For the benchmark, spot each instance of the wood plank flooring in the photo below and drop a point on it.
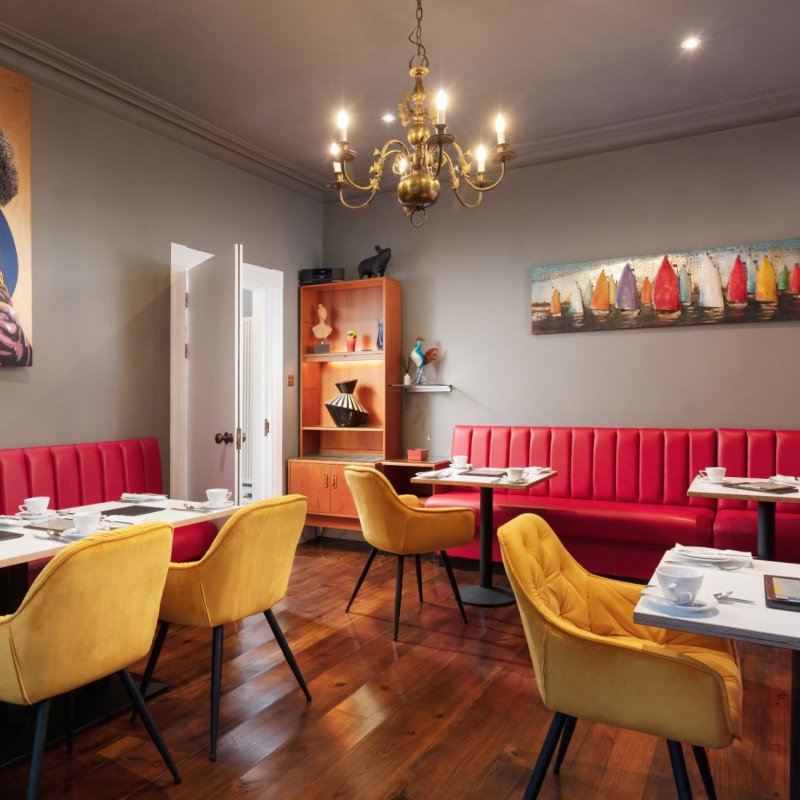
(450, 711)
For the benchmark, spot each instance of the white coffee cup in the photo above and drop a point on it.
(515, 473)
(86, 522)
(713, 474)
(679, 584)
(459, 461)
(218, 497)
(35, 505)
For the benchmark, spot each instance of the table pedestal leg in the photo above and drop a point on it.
(484, 594)
(766, 531)
(794, 732)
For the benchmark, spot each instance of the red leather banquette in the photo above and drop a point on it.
(619, 499)
(79, 474)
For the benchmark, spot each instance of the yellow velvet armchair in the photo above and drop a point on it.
(90, 613)
(245, 571)
(593, 662)
(398, 524)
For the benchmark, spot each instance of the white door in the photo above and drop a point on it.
(209, 402)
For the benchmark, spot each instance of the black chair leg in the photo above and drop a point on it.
(419, 576)
(453, 585)
(545, 756)
(37, 752)
(705, 771)
(155, 652)
(364, 571)
(679, 770)
(149, 723)
(398, 595)
(566, 738)
(69, 720)
(216, 680)
(287, 651)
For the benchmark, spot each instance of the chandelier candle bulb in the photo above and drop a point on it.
(441, 107)
(480, 155)
(341, 122)
(500, 127)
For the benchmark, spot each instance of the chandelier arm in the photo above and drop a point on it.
(372, 186)
(446, 159)
(356, 206)
(386, 150)
(464, 202)
(491, 185)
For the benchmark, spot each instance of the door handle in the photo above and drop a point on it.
(333, 480)
(223, 438)
(325, 480)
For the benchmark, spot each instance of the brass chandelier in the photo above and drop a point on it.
(419, 163)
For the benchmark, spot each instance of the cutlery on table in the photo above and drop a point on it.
(727, 597)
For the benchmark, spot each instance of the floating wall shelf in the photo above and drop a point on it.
(425, 387)
(358, 355)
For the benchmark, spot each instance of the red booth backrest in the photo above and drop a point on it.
(78, 474)
(636, 465)
(759, 454)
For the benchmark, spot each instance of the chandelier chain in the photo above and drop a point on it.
(415, 37)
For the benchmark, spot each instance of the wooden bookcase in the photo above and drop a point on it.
(326, 449)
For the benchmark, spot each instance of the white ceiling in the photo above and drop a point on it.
(572, 76)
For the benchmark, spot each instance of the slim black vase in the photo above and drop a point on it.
(344, 409)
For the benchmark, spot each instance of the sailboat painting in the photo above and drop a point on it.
(756, 282)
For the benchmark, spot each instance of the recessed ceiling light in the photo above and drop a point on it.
(388, 117)
(691, 42)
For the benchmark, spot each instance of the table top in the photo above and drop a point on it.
(746, 623)
(426, 463)
(704, 488)
(487, 482)
(31, 548)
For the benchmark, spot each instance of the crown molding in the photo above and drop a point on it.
(58, 70)
(662, 127)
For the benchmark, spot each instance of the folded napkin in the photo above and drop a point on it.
(786, 480)
(434, 473)
(714, 551)
(133, 497)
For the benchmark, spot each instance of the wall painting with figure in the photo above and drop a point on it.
(757, 282)
(16, 297)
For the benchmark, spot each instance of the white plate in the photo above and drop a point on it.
(208, 506)
(702, 603)
(708, 554)
(27, 515)
(133, 497)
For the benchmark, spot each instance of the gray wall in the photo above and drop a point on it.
(466, 279)
(108, 199)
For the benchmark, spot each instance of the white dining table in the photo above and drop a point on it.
(32, 545)
(745, 623)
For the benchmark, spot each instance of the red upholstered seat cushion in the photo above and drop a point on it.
(190, 542)
(738, 529)
(643, 528)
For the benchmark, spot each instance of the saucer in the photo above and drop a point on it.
(27, 515)
(702, 603)
(72, 535)
(209, 507)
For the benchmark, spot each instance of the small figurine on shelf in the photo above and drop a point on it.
(351, 341)
(379, 340)
(375, 266)
(322, 330)
(420, 358)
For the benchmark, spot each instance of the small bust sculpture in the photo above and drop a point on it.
(322, 330)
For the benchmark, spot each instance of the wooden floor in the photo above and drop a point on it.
(449, 711)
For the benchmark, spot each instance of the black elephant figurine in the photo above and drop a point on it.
(375, 266)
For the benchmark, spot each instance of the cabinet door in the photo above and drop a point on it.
(342, 503)
(313, 479)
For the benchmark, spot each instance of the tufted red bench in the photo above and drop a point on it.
(79, 474)
(619, 499)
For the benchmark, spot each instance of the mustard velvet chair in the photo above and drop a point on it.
(90, 613)
(593, 662)
(245, 571)
(398, 524)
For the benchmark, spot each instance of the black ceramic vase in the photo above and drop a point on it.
(344, 409)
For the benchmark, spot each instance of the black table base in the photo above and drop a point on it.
(484, 594)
